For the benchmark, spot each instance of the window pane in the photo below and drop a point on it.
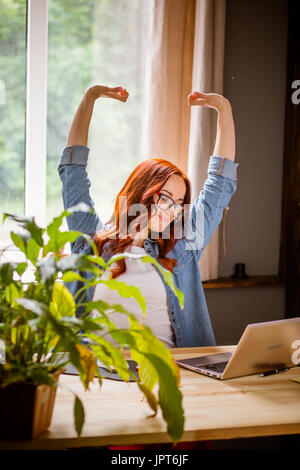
(96, 42)
(12, 110)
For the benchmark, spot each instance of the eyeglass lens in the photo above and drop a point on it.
(165, 202)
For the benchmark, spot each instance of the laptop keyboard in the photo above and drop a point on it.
(219, 367)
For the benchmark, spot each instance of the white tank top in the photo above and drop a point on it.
(145, 277)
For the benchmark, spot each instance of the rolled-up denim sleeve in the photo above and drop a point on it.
(76, 188)
(207, 210)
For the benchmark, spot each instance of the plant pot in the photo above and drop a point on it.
(26, 409)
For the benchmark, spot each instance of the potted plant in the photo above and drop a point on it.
(40, 333)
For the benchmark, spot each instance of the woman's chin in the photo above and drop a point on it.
(158, 227)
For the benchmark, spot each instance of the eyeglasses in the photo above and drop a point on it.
(166, 202)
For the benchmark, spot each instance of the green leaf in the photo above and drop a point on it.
(70, 276)
(53, 227)
(76, 262)
(42, 376)
(66, 334)
(167, 275)
(21, 268)
(72, 321)
(34, 306)
(20, 240)
(126, 291)
(59, 241)
(34, 323)
(147, 371)
(170, 397)
(7, 271)
(11, 293)
(47, 269)
(97, 259)
(57, 238)
(32, 251)
(63, 300)
(109, 355)
(151, 398)
(124, 337)
(29, 224)
(102, 306)
(56, 222)
(97, 322)
(94, 324)
(147, 342)
(79, 415)
(118, 256)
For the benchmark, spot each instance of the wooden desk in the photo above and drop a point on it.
(116, 415)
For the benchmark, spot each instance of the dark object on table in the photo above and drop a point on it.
(239, 271)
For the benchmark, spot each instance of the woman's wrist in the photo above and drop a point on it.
(93, 93)
(224, 106)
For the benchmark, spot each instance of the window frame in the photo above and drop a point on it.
(35, 117)
(36, 109)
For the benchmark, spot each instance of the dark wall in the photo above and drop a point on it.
(254, 82)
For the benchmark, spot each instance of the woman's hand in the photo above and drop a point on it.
(225, 138)
(208, 100)
(100, 91)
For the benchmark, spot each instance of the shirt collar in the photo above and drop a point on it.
(151, 246)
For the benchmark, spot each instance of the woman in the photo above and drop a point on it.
(164, 192)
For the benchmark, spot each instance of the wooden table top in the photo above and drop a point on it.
(116, 413)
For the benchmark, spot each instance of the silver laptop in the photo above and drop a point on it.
(262, 347)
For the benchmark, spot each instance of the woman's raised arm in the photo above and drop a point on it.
(221, 182)
(73, 162)
(78, 133)
(225, 138)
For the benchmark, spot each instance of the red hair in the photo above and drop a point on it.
(140, 187)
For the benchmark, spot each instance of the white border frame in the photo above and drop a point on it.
(36, 110)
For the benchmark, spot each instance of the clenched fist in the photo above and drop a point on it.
(101, 91)
(208, 100)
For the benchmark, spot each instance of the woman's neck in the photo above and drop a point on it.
(140, 237)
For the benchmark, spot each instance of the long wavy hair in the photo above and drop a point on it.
(140, 187)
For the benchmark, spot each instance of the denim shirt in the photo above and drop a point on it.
(192, 325)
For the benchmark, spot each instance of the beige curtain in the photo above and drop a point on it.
(168, 81)
(207, 77)
(185, 54)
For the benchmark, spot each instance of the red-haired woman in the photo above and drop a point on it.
(163, 191)
(170, 230)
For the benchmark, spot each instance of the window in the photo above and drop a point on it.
(12, 109)
(87, 42)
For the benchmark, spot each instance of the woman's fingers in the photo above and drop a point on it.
(118, 93)
(208, 100)
(197, 98)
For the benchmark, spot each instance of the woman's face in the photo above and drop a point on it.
(174, 188)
